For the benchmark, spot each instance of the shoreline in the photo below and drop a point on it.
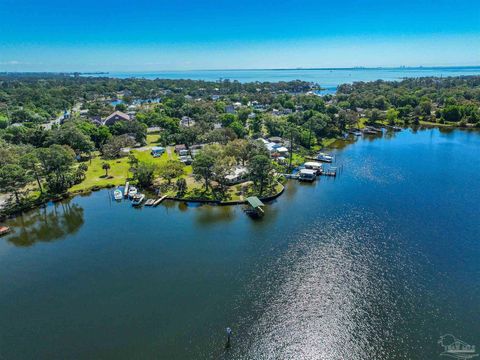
(39, 202)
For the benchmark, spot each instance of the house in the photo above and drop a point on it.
(271, 147)
(157, 151)
(282, 150)
(97, 120)
(275, 139)
(115, 117)
(187, 121)
(180, 147)
(215, 97)
(238, 175)
(230, 109)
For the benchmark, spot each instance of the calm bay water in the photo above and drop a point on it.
(375, 264)
(327, 78)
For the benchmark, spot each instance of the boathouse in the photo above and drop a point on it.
(307, 175)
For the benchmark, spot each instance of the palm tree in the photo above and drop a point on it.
(106, 167)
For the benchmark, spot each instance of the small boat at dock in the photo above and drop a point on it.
(324, 157)
(132, 191)
(149, 202)
(117, 194)
(4, 230)
(137, 199)
(127, 188)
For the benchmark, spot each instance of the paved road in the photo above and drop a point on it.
(59, 119)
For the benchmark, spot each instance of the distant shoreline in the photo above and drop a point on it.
(355, 68)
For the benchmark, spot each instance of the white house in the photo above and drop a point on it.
(238, 175)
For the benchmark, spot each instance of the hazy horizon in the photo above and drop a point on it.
(248, 69)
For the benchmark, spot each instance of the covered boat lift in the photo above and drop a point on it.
(255, 208)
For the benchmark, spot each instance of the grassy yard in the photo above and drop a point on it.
(152, 139)
(95, 176)
(118, 172)
(428, 123)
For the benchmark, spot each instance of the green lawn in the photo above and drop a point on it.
(118, 172)
(428, 123)
(95, 176)
(152, 139)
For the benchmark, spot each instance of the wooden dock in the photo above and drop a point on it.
(159, 200)
(330, 172)
(320, 160)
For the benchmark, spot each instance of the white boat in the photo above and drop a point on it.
(149, 202)
(137, 199)
(325, 157)
(117, 194)
(132, 191)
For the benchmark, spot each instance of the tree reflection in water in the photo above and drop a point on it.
(46, 224)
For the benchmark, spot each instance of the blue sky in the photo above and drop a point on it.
(152, 35)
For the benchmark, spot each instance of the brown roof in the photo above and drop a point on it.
(119, 114)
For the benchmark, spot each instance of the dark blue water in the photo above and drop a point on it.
(375, 264)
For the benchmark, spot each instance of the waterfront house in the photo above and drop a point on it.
(115, 117)
(238, 175)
